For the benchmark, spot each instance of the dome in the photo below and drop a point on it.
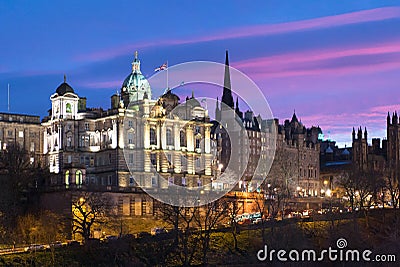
(193, 102)
(345, 152)
(135, 84)
(64, 88)
(329, 150)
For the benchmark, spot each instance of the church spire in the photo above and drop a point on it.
(227, 98)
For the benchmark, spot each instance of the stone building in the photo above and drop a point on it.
(297, 148)
(137, 141)
(22, 130)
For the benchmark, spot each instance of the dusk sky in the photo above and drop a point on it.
(337, 63)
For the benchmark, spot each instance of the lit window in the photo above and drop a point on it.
(78, 177)
(67, 178)
(68, 108)
(20, 134)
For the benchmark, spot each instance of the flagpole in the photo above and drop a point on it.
(8, 97)
(167, 76)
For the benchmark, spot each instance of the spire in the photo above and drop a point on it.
(237, 110)
(136, 63)
(227, 98)
(217, 112)
(65, 78)
(388, 118)
(192, 94)
(365, 133)
(354, 134)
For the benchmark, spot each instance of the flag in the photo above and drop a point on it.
(162, 67)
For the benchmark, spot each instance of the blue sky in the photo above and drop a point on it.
(336, 62)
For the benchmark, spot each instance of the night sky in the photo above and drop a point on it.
(337, 63)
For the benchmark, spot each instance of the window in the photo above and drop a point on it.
(183, 181)
(86, 126)
(68, 108)
(144, 204)
(20, 134)
(131, 181)
(170, 180)
(66, 178)
(153, 140)
(197, 143)
(130, 138)
(32, 148)
(69, 158)
(109, 180)
(198, 182)
(87, 161)
(69, 141)
(154, 181)
(182, 138)
(10, 133)
(130, 124)
(153, 159)
(109, 158)
(78, 177)
(170, 140)
(198, 163)
(130, 158)
(197, 130)
(169, 158)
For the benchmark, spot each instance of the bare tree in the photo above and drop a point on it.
(182, 220)
(87, 209)
(19, 177)
(393, 187)
(207, 219)
(233, 209)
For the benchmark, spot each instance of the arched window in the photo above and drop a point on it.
(170, 140)
(78, 177)
(67, 178)
(153, 138)
(68, 108)
(182, 138)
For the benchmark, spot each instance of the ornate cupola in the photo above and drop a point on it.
(135, 87)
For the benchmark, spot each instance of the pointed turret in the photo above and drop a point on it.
(237, 110)
(365, 134)
(227, 98)
(354, 134)
(217, 111)
(388, 118)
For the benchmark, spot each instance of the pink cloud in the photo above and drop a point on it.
(105, 84)
(363, 16)
(293, 64)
